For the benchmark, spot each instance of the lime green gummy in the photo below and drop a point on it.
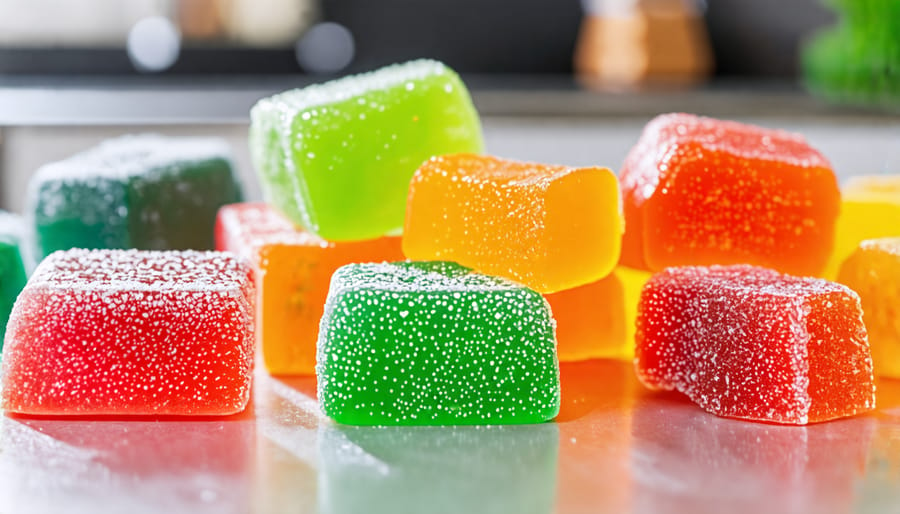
(435, 344)
(337, 157)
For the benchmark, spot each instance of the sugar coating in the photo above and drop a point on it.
(134, 191)
(704, 191)
(873, 271)
(748, 342)
(131, 332)
(337, 157)
(432, 343)
(543, 236)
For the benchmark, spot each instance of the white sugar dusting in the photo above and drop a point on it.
(433, 343)
(752, 343)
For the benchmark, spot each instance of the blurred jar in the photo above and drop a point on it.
(628, 43)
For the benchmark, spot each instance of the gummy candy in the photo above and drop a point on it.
(293, 269)
(748, 342)
(873, 271)
(590, 319)
(147, 192)
(548, 227)
(432, 343)
(337, 157)
(112, 332)
(700, 191)
(870, 209)
(597, 320)
(12, 269)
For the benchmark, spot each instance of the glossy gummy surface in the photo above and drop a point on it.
(432, 343)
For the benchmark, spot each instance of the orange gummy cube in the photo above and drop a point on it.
(699, 191)
(597, 320)
(293, 270)
(547, 227)
(870, 209)
(873, 271)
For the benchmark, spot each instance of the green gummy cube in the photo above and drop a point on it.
(12, 270)
(433, 343)
(337, 157)
(146, 192)
(502, 469)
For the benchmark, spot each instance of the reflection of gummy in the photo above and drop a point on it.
(684, 460)
(483, 469)
(127, 466)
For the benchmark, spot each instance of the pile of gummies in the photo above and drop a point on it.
(425, 282)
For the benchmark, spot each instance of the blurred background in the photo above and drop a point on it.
(100, 37)
(563, 81)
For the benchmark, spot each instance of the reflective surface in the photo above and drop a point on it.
(615, 448)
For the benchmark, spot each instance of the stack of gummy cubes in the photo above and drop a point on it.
(448, 337)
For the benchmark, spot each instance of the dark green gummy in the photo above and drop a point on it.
(435, 344)
(143, 192)
(12, 270)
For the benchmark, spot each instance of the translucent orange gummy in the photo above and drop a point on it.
(293, 270)
(873, 271)
(597, 320)
(870, 209)
(699, 191)
(548, 227)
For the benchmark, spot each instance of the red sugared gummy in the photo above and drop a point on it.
(749, 342)
(116, 332)
(700, 191)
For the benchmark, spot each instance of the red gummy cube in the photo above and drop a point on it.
(700, 191)
(749, 342)
(113, 332)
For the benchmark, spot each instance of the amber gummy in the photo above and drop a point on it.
(870, 209)
(700, 191)
(548, 227)
(292, 269)
(873, 271)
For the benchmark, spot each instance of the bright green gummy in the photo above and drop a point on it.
(12, 270)
(145, 192)
(434, 343)
(469, 469)
(337, 158)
